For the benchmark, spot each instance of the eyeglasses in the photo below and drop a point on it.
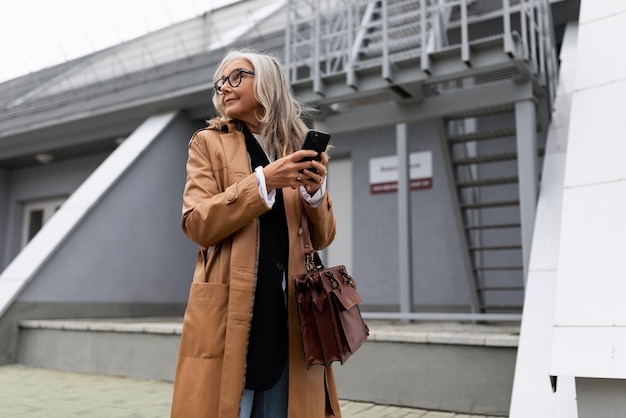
(234, 79)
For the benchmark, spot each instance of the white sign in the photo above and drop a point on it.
(384, 172)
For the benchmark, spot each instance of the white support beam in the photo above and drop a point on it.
(532, 394)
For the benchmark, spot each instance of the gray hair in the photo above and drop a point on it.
(281, 119)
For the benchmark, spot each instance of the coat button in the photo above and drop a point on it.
(280, 266)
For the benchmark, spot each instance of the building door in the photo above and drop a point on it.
(340, 189)
(36, 214)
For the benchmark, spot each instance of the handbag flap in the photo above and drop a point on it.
(347, 297)
(338, 282)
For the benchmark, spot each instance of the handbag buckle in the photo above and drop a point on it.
(347, 279)
(334, 283)
(309, 263)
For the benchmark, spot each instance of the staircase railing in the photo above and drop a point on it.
(326, 38)
(329, 38)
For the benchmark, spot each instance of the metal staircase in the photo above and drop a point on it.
(468, 63)
(485, 170)
(393, 30)
(327, 38)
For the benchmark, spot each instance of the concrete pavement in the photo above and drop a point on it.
(42, 393)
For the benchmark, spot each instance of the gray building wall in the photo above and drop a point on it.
(439, 283)
(461, 378)
(128, 257)
(130, 249)
(55, 180)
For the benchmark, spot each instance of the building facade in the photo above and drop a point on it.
(440, 114)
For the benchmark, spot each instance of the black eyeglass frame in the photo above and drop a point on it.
(220, 82)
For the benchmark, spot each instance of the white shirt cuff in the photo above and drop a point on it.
(316, 199)
(268, 198)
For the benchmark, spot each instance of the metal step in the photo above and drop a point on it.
(488, 182)
(498, 268)
(500, 288)
(485, 205)
(493, 226)
(491, 158)
(402, 34)
(496, 248)
(483, 135)
(489, 299)
(485, 159)
(484, 111)
(502, 308)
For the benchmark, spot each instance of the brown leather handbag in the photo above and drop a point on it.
(331, 325)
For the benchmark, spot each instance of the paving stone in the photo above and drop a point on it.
(42, 393)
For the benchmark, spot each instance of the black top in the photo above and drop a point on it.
(268, 341)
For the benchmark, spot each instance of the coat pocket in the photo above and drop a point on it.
(204, 324)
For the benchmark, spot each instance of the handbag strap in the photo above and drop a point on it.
(312, 260)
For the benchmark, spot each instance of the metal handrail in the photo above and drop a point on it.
(360, 20)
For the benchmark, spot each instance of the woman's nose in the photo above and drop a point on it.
(226, 87)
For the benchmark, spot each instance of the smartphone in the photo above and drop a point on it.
(317, 141)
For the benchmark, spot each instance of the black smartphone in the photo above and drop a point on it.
(317, 141)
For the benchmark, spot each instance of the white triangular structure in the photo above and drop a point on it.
(532, 393)
(590, 314)
(31, 259)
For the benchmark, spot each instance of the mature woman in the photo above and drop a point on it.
(241, 351)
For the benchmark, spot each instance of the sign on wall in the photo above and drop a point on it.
(384, 172)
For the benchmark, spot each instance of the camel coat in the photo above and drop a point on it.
(221, 206)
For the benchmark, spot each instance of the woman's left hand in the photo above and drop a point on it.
(313, 177)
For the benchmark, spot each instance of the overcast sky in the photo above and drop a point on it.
(35, 34)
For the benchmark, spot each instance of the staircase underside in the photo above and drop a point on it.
(410, 86)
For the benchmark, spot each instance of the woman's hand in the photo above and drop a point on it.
(313, 177)
(290, 172)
